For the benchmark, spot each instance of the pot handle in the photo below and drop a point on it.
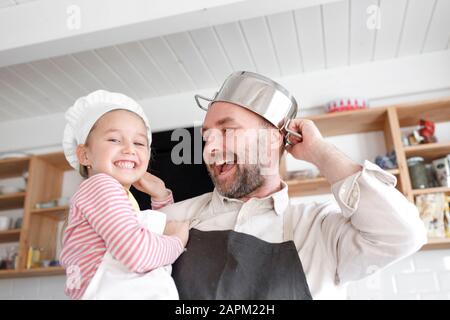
(289, 132)
(198, 97)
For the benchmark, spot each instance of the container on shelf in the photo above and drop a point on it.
(417, 172)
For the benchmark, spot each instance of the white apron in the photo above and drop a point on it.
(113, 281)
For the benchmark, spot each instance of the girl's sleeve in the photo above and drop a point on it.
(106, 207)
(156, 205)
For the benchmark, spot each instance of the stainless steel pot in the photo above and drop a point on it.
(260, 95)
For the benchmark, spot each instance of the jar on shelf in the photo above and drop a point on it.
(417, 172)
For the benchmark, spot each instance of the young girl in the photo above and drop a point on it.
(111, 250)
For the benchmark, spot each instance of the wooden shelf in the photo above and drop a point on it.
(12, 201)
(437, 243)
(429, 151)
(315, 186)
(308, 187)
(56, 159)
(55, 212)
(411, 113)
(395, 172)
(430, 190)
(12, 235)
(50, 271)
(337, 123)
(13, 167)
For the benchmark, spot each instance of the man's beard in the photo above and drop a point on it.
(247, 179)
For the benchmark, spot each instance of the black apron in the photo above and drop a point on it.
(227, 265)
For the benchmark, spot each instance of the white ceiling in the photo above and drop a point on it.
(314, 38)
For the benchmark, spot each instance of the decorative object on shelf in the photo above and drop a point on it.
(423, 134)
(62, 202)
(388, 161)
(5, 223)
(447, 216)
(45, 263)
(9, 260)
(417, 172)
(426, 131)
(442, 169)
(54, 263)
(18, 223)
(431, 176)
(47, 204)
(432, 209)
(345, 104)
(34, 257)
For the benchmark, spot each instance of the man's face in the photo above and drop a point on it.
(237, 149)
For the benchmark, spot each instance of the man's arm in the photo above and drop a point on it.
(374, 225)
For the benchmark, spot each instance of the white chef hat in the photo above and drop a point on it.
(82, 116)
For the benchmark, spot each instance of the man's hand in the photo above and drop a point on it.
(331, 162)
(178, 229)
(153, 186)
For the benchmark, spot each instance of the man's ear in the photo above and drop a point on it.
(277, 139)
(82, 155)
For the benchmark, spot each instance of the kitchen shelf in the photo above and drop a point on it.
(13, 167)
(59, 212)
(437, 243)
(40, 227)
(308, 187)
(430, 190)
(33, 272)
(429, 151)
(315, 186)
(337, 123)
(12, 200)
(12, 235)
(389, 120)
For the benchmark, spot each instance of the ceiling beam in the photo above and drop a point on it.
(47, 28)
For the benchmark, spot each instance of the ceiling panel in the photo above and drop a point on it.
(417, 18)
(439, 30)
(165, 58)
(287, 43)
(40, 81)
(387, 37)
(189, 56)
(310, 34)
(362, 31)
(336, 30)
(232, 40)
(7, 75)
(142, 61)
(212, 52)
(77, 72)
(259, 41)
(103, 73)
(124, 70)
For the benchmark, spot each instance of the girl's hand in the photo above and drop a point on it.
(153, 186)
(178, 229)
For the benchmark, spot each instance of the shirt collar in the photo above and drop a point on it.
(279, 201)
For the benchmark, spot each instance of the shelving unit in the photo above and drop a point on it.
(389, 120)
(39, 226)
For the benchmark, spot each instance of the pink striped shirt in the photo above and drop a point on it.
(102, 219)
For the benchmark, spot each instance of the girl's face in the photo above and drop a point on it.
(117, 146)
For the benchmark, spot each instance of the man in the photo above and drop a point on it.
(248, 242)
